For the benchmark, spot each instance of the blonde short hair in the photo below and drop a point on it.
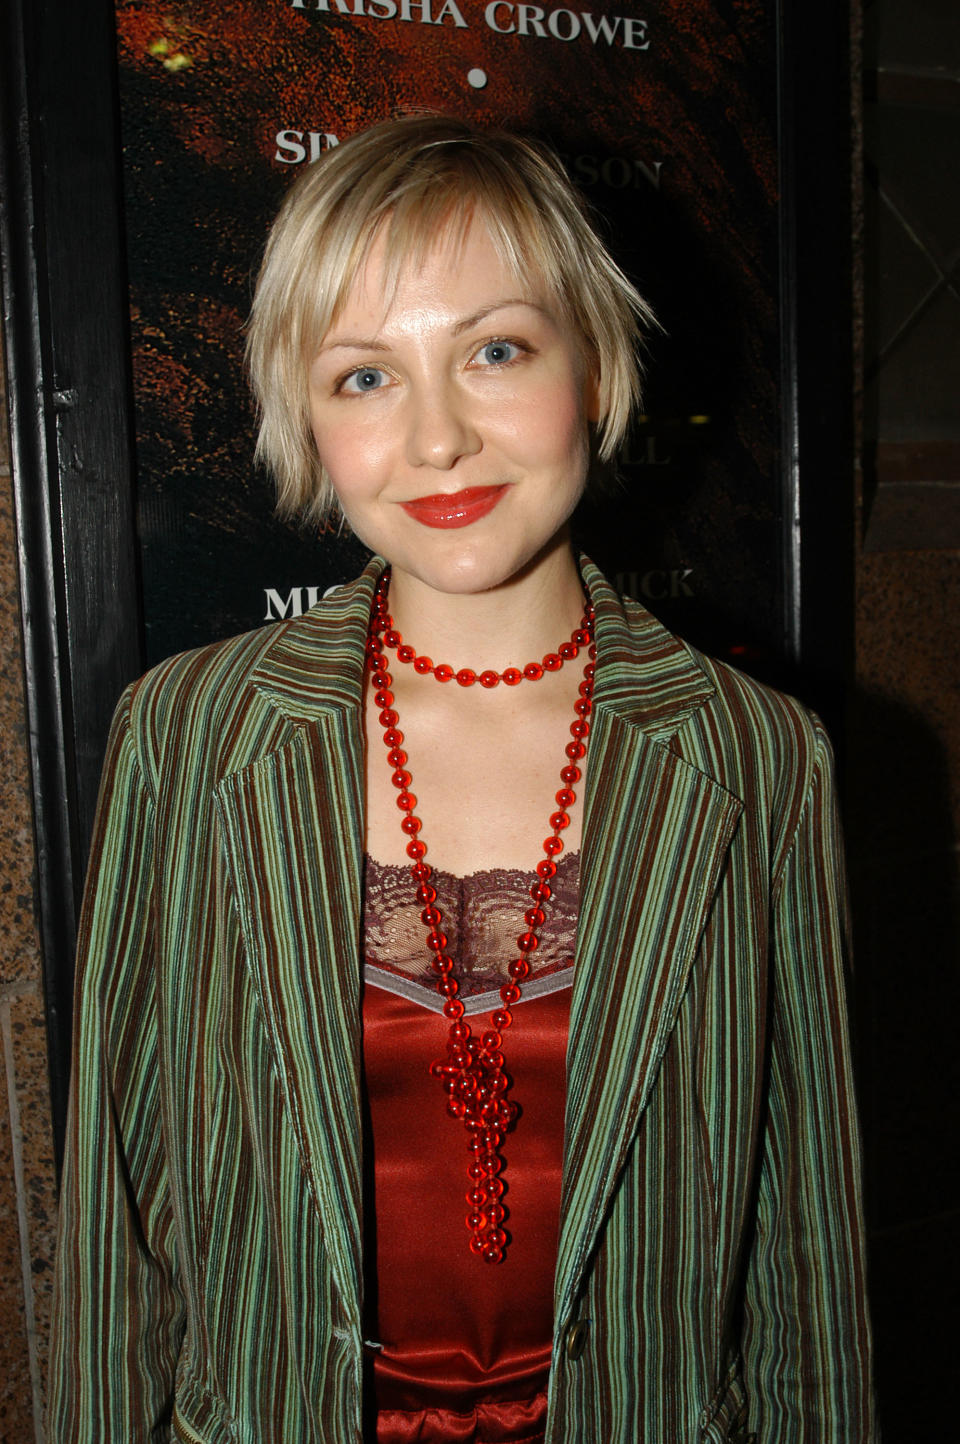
(411, 178)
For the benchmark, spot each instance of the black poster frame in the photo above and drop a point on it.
(71, 410)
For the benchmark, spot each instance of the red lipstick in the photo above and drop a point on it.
(461, 508)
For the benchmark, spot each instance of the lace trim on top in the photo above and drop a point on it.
(482, 918)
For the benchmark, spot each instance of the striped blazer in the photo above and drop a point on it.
(709, 1280)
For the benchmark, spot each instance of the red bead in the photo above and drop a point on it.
(473, 1079)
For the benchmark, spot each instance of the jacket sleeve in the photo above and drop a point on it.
(117, 1312)
(807, 1331)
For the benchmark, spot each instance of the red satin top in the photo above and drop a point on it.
(465, 1345)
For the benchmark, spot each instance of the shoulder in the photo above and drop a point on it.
(191, 700)
(777, 727)
(227, 703)
(763, 746)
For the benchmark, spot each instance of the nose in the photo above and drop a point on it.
(440, 429)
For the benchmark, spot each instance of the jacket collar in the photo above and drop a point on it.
(644, 674)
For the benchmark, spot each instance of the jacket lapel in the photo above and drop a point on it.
(293, 828)
(655, 837)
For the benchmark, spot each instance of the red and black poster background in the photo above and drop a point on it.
(145, 146)
(665, 114)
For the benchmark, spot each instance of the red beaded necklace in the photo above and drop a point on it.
(466, 676)
(473, 1073)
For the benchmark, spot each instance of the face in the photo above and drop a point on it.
(451, 413)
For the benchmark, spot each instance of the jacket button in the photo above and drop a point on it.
(577, 1338)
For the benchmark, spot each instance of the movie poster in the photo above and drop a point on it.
(664, 114)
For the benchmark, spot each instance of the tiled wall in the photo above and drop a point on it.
(904, 743)
(27, 1193)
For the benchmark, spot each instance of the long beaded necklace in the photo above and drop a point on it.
(473, 1073)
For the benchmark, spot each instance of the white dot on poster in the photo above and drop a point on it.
(477, 78)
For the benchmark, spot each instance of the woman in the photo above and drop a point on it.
(571, 1156)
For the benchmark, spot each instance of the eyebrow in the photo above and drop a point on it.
(466, 323)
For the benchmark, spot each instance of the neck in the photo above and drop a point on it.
(509, 625)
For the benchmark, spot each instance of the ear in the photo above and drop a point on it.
(591, 392)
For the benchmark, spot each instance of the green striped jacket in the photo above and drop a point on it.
(709, 1279)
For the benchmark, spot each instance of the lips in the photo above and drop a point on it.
(461, 508)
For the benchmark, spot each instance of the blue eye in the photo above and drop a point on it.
(368, 378)
(498, 353)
